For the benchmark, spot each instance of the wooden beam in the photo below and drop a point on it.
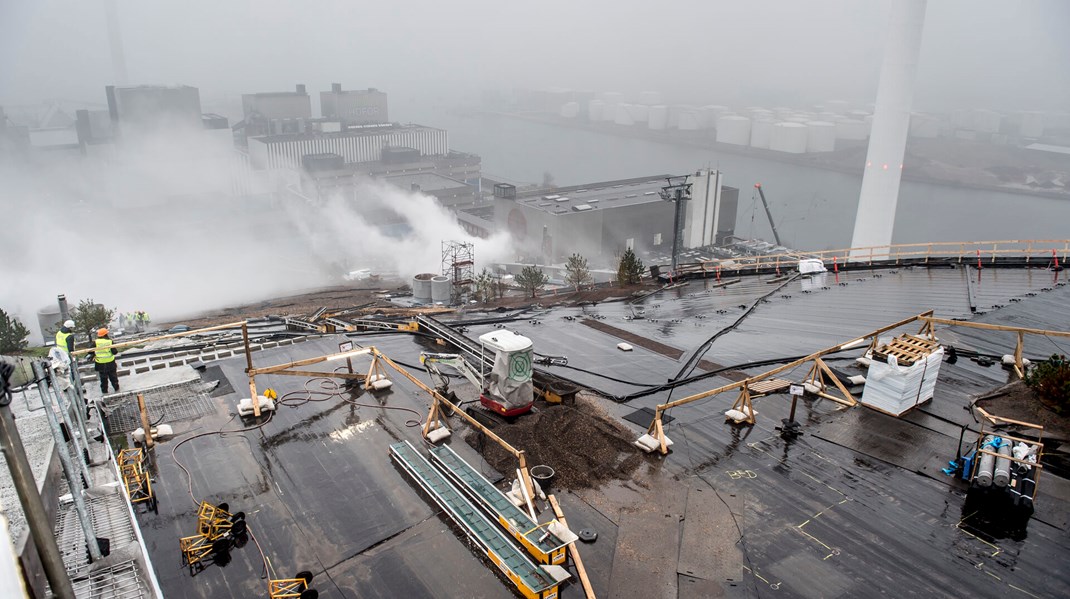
(145, 425)
(231, 325)
(996, 327)
(573, 551)
(836, 381)
(315, 373)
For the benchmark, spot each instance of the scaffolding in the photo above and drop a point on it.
(458, 263)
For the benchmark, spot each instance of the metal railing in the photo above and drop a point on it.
(967, 252)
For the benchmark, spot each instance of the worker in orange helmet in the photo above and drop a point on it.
(104, 357)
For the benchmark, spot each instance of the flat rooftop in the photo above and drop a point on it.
(350, 132)
(611, 194)
(857, 506)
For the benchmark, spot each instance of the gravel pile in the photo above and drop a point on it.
(579, 442)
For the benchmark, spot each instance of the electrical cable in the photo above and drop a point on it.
(328, 389)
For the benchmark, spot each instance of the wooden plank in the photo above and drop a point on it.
(573, 551)
(768, 386)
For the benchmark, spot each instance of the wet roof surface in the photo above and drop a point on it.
(855, 507)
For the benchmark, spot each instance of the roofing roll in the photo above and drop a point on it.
(732, 129)
(441, 289)
(421, 287)
(789, 137)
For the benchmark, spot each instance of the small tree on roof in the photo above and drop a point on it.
(90, 316)
(577, 272)
(12, 333)
(532, 280)
(629, 269)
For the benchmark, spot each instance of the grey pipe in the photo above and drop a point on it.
(65, 414)
(33, 508)
(68, 468)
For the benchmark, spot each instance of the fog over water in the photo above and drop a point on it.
(155, 226)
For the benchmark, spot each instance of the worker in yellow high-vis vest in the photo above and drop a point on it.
(104, 357)
(65, 336)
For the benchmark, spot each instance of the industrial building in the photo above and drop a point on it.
(354, 107)
(354, 145)
(600, 220)
(273, 113)
(148, 109)
(453, 178)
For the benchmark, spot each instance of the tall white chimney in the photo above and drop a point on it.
(891, 123)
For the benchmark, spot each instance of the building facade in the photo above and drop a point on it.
(354, 107)
(355, 145)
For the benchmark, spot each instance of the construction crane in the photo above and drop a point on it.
(761, 194)
(507, 389)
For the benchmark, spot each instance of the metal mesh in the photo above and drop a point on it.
(110, 520)
(185, 401)
(120, 581)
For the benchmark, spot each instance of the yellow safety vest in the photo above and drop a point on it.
(101, 355)
(61, 339)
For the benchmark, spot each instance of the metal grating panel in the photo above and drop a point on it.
(110, 520)
(177, 402)
(121, 581)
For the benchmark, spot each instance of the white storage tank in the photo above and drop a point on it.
(688, 119)
(595, 108)
(820, 136)
(714, 112)
(757, 112)
(624, 115)
(609, 112)
(570, 110)
(649, 98)
(421, 287)
(640, 112)
(761, 133)
(852, 129)
(732, 129)
(612, 97)
(441, 288)
(658, 117)
(789, 137)
(49, 321)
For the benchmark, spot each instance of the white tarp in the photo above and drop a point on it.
(896, 389)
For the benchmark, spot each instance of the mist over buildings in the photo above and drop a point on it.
(1001, 55)
(158, 221)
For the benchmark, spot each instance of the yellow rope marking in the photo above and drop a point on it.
(1023, 591)
(959, 526)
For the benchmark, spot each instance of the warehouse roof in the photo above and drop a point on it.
(594, 196)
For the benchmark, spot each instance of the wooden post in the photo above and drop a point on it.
(1019, 366)
(145, 424)
(572, 550)
(254, 396)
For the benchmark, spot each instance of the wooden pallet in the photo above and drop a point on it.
(768, 386)
(907, 349)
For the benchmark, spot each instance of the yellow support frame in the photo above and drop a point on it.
(287, 588)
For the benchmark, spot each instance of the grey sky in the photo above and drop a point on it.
(1007, 55)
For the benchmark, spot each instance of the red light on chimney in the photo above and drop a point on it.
(886, 167)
